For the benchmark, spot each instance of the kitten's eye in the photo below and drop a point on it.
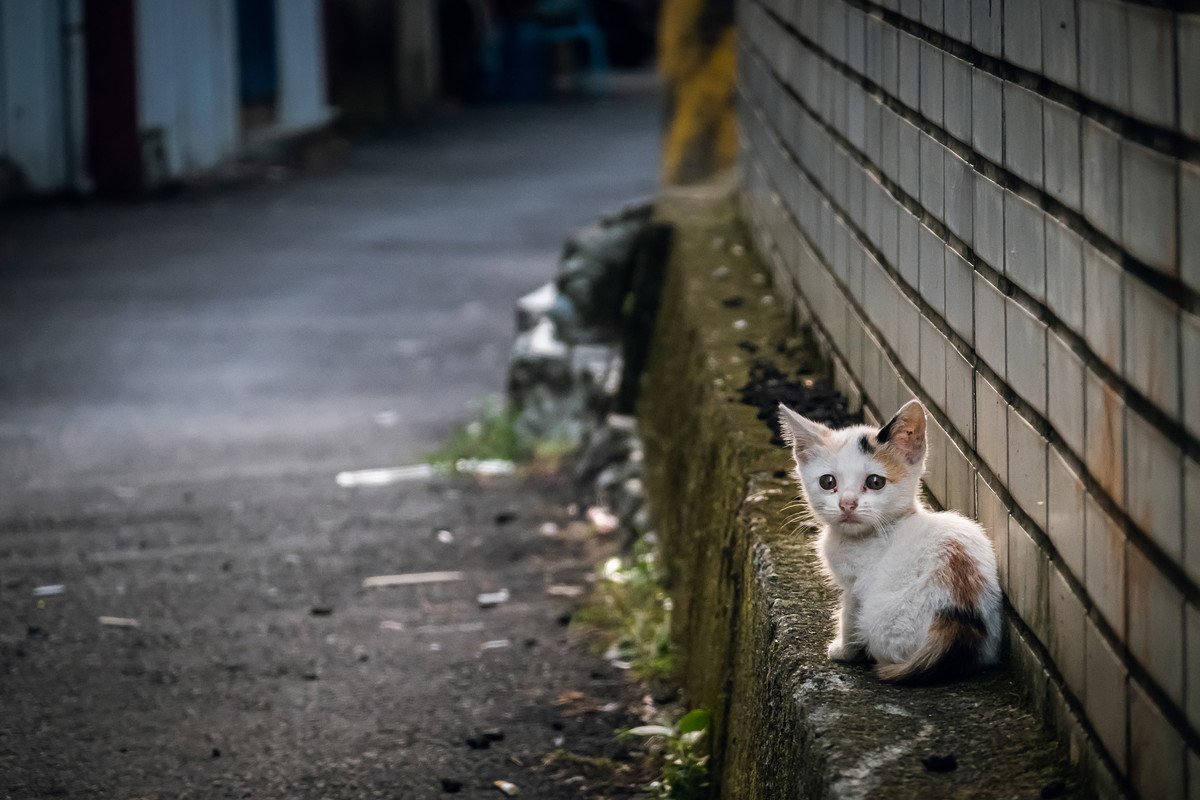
(828, 482)
(875, 482)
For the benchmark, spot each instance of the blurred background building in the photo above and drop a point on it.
(124, 95)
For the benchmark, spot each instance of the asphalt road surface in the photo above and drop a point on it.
(180, 381)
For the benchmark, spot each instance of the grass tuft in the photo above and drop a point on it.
(630, 611)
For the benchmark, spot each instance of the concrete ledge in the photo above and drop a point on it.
(752, 612)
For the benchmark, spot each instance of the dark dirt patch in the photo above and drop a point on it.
(796, 380)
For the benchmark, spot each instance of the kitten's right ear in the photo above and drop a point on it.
(800, 432)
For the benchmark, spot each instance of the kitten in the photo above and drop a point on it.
(919, 589)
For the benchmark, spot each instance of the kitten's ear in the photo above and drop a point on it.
(905, 432)
(800, 432)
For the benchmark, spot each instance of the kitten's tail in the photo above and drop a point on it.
(956, 644)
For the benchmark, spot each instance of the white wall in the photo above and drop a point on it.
(300, 53)
(41, 116)
(187, 79)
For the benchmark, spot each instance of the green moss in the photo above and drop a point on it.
(752, 612)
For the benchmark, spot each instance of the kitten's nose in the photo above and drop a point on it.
(848, 502)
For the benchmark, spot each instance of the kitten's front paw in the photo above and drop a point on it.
(840, 650)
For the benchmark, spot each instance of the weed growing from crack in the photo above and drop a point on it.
(629, 614)
(684, 762)
(495, 436)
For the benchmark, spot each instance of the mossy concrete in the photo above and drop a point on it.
(752, 611)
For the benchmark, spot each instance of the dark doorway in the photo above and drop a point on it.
(257, 63)
(114, 158)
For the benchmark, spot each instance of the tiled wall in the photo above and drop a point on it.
(994, 206)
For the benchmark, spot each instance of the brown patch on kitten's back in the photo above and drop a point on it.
(959, 574)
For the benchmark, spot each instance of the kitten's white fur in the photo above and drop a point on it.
(919, 592)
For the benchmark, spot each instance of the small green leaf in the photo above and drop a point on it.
(695, 720)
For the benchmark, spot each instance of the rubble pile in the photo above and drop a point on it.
(572, 376)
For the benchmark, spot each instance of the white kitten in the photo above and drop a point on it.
(919, 589)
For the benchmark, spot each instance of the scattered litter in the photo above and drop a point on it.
(386, 419)
(560, 740)
(457, 627)
(603, 520)
(614, 570)
(120, 622)
(564, 590)
(575, 703)
(506, 788)
(491, 599)
(383, 476)
(738, 250)
(408, 347)
(720, 272)
(391, 625)
(485, 466)
(548, 529)
(767, 300)
(451, 786)
(740, 324)
(321, 611)
(505, 517)
(651, 730)
(293, 559)
(411, 578)
(49, 590)
(495, 644)
(718, 242)
(445, 537)
(361, 654)
(125, 492)
(573, 509)
(434, 647)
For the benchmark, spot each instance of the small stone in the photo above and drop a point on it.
(740, 325)
(451, 786)
(321, 611)
(505, 517)
(479, 742)
(216, 752)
